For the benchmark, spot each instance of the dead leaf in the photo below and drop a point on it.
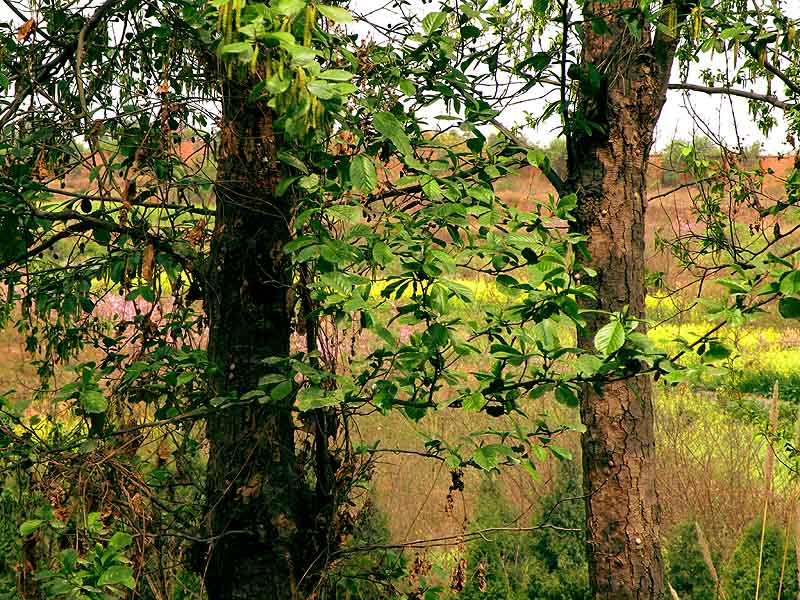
(27, 28)
(197, 233)
(251, 488)
(123, 213)
(458, 578)
(162, 89)
(148, 261)
(480, 574)
(164, 452)
(41, 172)
(285, 526)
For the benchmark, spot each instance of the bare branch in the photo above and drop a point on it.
(768, 98)
(451, 540)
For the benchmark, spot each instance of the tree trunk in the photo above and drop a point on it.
(254, 489)
(622, 90)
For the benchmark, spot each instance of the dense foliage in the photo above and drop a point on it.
(539, 563)
(777, 571)
(229, 230)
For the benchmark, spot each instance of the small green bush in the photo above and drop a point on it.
(544, 564)
(739, 580)
(561, 571)
(371, 575)
(687, 570)
(10, 544)
(498, 564)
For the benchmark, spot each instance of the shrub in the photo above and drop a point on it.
(739, 579)
(687, 570)
(545, 564)
(561, 570)
(10, 544)
(371, 575)
(677, 156)
(497, 564)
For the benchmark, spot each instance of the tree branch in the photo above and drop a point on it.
(87, 223)
(768, 98)
(788, 82)
(44, 71)
(115, 199)
(451, 540)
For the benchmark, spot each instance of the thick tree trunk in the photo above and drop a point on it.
(618, 444)
(254, 489)
(623, 88)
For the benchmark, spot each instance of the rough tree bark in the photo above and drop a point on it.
(624, 96)
(255, 493)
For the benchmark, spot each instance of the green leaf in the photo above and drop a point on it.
(309, 183)
(272, 378)
(120, 540)
(474, 402)
(407, 87)
(566, 204)
(288, 8)
(335, 13)
(716, 351)
(277, 85)
(345, 212)
(117, 575)
(363, 174)
(733, 286)
(536, 157)
(343, 88)
(291, 160)
(566, 395)
(310, 398)
(547, 333)
(236, 48)
(789, 308)
(279, 38)
(559, 452)
(321, 89)
(485, 458)
(587, 364)
(93, 401)
(28, 527)
(251, 395)
(489, 456)
(69, 558)
(282, 390)
(389, 127)
(540, 61)
(610, 337)
(433, 21)
(432, 189)
(336, 75)
(502, 351)
(382, 254)
(790, 284)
